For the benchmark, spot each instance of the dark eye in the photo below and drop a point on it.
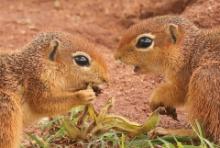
(81, 60)
(144, 42)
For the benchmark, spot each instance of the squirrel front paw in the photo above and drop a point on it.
(164, 110)
(86, 96)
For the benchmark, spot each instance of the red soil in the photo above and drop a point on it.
(103, 22)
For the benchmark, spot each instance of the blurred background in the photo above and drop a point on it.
(103, 22)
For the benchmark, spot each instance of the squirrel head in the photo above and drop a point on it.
(154, 44)
(71, 62)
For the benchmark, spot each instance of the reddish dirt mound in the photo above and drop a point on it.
(103, 22)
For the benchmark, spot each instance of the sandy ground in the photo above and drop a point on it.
(103, 22)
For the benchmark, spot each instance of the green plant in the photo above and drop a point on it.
(84, 127)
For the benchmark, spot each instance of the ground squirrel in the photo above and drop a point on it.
(188, 57)
(47, 77)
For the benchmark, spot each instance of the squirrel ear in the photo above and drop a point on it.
(174, 32)
(54, 44)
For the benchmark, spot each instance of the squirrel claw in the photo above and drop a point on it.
(169, 111)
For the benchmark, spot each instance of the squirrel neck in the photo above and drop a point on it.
(19, 66)
(189, 48)
(205, 44)
(195, 45)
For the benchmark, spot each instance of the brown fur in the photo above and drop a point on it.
(33, 86)
(191, 66)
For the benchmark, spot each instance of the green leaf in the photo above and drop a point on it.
(72, 131)
(40, 142)
(122, 144)
(166, 144)
(151, 122)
